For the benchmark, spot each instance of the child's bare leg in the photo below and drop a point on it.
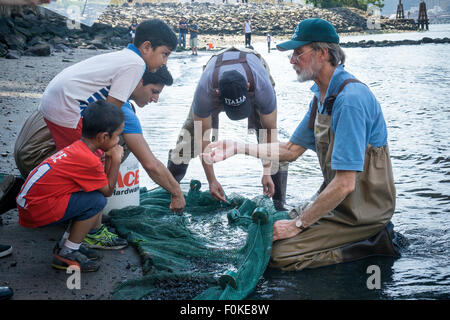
(81, 228)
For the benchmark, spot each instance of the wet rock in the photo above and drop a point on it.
(15, 41)
(388, 43)
(12, 55)
(91, 47)
(99, 44)
(3, 49)
(35, 40)
(41, 50)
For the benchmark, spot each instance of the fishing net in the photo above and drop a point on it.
(214, 250)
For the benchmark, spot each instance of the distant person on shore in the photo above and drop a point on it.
(71, 186)
(112, 77)
(268, 42)
(239, 83)
(248, 32)
(132, 29)
(344, 125)
(193, 39)
(182, 31)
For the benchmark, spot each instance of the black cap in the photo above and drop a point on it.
(233, 90)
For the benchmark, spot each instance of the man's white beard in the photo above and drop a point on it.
(305, 74)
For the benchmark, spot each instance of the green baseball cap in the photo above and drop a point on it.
(310, 30)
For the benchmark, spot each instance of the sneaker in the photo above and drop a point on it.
(9, 189)
(75, 258)
(5, 250)
(103, 239)
(6, 293)
(89, 253)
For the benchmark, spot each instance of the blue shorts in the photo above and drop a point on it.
(82, 206)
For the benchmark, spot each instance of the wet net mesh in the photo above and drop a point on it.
(214, 250)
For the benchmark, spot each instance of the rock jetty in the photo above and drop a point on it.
(37, 31)
(390, 43)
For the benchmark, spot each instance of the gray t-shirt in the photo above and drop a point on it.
(265, 98)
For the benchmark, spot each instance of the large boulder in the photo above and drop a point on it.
(41, 50)
(15, 41)
(99, 44)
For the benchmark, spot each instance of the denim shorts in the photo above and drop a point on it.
(82, 206)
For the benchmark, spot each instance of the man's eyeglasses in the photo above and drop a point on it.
(296, 56)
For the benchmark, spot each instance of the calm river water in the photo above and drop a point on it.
(412, 84)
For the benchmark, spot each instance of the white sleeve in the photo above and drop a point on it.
(125, 81)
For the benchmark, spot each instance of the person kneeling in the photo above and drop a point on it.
(71, 186)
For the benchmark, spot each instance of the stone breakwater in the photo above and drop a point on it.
(390, 43)
(228, 19)
(30, 31)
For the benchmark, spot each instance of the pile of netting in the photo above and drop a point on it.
(214, 250)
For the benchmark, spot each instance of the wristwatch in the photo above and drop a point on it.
(299, 224)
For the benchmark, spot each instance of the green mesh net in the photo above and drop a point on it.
(214, 250)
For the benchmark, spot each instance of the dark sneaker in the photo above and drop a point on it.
(103, 239)
(9, 189)
(5, 250)
(75, 258)
(89, 253)
(6, 293)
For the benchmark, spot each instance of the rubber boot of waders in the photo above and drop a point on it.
(279, 197)
(177, 170)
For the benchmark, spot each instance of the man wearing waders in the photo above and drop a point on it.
(239, 83)
(350, 218)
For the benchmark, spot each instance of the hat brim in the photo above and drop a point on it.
(291, 44)
(238, 113)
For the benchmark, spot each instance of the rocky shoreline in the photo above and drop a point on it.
(39, 32)
(389, 43)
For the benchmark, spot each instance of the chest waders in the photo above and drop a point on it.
(179, 157)
(360, 225)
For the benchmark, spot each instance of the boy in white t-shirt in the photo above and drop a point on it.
(111, 77)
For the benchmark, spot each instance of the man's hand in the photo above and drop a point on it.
(178, 203)
(219, 151)
(115, 153)
(216, 191)
(268, 185)
(284, 229)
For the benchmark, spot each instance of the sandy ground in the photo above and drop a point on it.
(28, 270)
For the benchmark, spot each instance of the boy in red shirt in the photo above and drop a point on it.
(72, 184)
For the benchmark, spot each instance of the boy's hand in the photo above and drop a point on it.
(116, 152)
